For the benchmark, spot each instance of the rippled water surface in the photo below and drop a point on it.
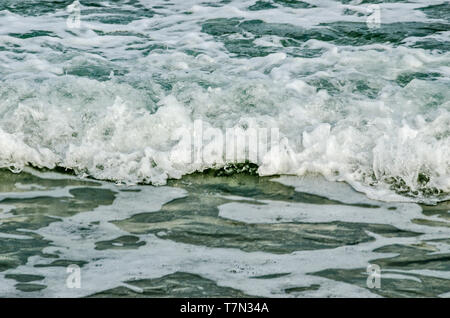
(208, 235)
(95, 122)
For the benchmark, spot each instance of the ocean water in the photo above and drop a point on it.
(128, 148)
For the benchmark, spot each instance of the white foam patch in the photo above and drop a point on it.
(21, 186)
(279, 212)
(55, 193)
(14, 236)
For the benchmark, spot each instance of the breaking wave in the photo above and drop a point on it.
(117, 98)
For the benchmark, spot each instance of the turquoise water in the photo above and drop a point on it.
(127, 148)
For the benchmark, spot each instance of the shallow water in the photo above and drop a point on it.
(351, 117)
(207, 235)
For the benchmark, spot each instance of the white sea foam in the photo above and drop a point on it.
(342, 114)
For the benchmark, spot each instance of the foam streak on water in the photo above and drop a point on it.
(369, 106)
